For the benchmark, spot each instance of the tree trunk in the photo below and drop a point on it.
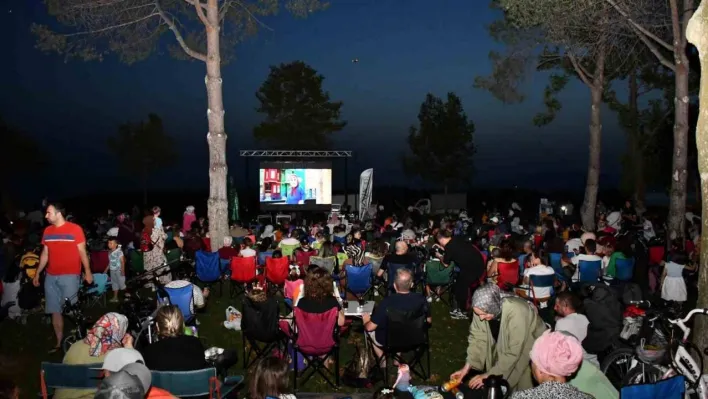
(217, 210)
(697, 33)
(677, 204)
(635, 151)
(587, 211)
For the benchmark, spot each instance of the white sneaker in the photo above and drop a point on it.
(429, 299)
(376, 292)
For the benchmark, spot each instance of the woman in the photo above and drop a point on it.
(501, 337)
(153, 245)
(319, 294)
(501, 270)
(269, 379)
(174, 351)
(108, 333)
(555, 356)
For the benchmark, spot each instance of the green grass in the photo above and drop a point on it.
(24, 347)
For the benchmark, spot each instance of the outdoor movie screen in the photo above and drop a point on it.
(288, 185)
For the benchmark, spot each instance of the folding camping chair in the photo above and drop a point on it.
(624, 269)
(183, 298)
(208, 268)
(359, 280)
(315, 336)
(262, 257)
(260, 330)
(670, 388)
(243, 272)
(97, 294)
(68, 376)
(276, 272)
(589, 271)
(440, 279)
(327, 263)
(195, 383)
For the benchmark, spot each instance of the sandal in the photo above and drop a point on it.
(54, 350)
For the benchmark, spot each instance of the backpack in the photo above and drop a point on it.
(146, 244)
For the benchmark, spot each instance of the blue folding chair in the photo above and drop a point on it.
(544, 281)
(183, 298)
(670, 388)
(570, 255)
(359, 280)
(624, 269)
(262, 257)
(208, 268)
(68, 376)
(338, 239)
(522, 261)
(225, 266)
(97, 293)
(555, 260)
(197, 383)
(589, 271)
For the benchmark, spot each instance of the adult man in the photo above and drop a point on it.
(468, 258)
(63, 254)
(403, 300)
(570, 321)
(401, 256)
(589, 256)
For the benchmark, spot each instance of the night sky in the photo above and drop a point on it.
(405, 48)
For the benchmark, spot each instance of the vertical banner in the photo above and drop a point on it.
(365, 192)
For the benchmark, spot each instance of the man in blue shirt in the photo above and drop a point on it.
(403, 300)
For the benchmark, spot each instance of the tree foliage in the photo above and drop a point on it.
(143, 147)
(442, 146)
(299, 112)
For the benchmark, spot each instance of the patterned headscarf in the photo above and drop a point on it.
(354, 252)
(488, 297)
(106, 334)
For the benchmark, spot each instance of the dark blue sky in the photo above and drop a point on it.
(406, 48)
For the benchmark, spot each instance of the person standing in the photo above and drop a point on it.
(468, 258)
(63, 255)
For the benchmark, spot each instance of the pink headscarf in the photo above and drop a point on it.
(557, 354)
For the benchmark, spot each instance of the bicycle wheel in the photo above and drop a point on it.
(643, 374)
(617, 364)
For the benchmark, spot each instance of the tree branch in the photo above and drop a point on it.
(261, 23)
(195, 2)
(638, 27)
(200, 13)
(178, 36)
(584, 76)
(154, 14)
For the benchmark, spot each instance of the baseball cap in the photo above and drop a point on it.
(131, 382)
(117, 358)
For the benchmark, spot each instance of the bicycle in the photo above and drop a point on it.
(681, 362)
(72, 311)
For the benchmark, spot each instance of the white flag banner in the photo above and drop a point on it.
(365, 191)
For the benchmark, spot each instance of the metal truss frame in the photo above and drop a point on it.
(295, 154)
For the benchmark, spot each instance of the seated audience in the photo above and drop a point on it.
(117, 359)
(227, 251)
(269, 379)
(174, 351)
(536, 267)
(589, 255)
(401, 256)
(198, 296)
(568, 319)
(246, 250)
(319, 294)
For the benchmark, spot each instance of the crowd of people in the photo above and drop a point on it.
(544, 340)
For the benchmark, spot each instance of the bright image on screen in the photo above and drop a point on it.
(296, 186)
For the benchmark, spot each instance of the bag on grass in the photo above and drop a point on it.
(233, 319)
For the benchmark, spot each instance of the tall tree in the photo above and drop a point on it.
(661, 27)
(577, 41)
(142, 148)
(299, 113)
(203, 30)
(442, 146)
(20, 157)
(697, 34)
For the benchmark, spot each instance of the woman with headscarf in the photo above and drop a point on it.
(153, 245)
(108, 333)
(555, 357)
(501, 336)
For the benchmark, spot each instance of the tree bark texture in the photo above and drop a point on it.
(697, 33)
(217, 210)
(679, 172)
(587, 211)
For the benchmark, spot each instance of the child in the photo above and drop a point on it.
(293, 286)
(116, 265)
(156, 214)
(673, 286)
(269, 379)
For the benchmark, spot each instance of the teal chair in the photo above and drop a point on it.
(197, 383)
(54, 376)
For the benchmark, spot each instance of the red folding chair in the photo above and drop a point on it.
(507, 274)
(276, 272)
(243, 272)
(315, 337)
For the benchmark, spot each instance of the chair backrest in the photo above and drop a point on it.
(291, 288)
(508, 274)
(207, 266)
(186, 384)
(101, 282)
(288, 250)
(183, 298)
(339, 239)
(670, 388)
(260, 320)
(359, 278)
(624, 269)
(315, 331)
(522, 263)
(277, 270)
(406, 329)
(555, 259)
(541, 281)
(243, 270)
(137, 262)
(326, 263)
(206, 242)
(437, 274)
(302, 258)
(69, 376)
(262, 257)
(656, 255)
(570, 255)
(589, 271)
(99, 261)
(173, 255)
(392, 269)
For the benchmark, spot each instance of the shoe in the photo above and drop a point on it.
(458, 315)
(437, 299)
(429, 299)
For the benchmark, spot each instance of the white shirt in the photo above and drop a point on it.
(540, 270)
(197, 296)
(576, 259)
(576, 324)
(247, 252)
(573, 245)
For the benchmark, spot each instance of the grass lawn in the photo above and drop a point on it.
(23, 347)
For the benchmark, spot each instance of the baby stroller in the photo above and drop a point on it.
(19, 295)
